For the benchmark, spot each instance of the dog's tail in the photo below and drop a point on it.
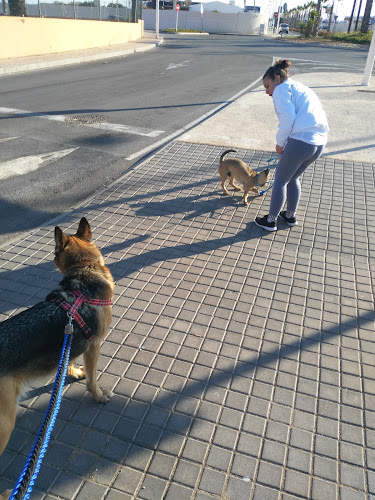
(226, 152)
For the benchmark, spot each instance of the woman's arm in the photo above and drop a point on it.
(286, 113)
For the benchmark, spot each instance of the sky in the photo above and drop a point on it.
(342, 8)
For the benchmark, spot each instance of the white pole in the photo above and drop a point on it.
(176, 19)
(278, 17)
(370, 61)
(157, 19)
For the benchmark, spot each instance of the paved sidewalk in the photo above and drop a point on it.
(32, 63)
(242, 362)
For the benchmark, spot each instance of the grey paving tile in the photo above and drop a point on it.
(233, 356)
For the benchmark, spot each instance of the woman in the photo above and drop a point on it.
(300, 140)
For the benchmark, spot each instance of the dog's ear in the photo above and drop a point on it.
(60, 238)
(84, 230)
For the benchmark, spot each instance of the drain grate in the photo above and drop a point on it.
(85, 119)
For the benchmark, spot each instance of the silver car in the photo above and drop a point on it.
(284, 28)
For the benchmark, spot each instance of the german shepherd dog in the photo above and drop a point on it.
(233, 168)
(31, 342)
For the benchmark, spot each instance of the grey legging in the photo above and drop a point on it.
(294, 160)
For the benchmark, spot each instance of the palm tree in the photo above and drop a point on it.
(366, 17)
(351, 17)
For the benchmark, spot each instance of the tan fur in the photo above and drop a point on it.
(235, 169)
(71, 251)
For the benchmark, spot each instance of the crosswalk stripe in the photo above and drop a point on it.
(112, 127)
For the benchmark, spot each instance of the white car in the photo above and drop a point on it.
(284, 28)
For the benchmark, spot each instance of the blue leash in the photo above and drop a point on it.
(26, 481)
(270, 166)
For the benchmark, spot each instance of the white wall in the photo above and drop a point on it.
(244, 23)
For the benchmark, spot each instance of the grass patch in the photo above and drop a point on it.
(353, 37)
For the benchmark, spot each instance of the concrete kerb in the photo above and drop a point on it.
(8, 67)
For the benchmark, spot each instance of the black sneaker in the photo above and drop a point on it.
(291, 221)
(263, 223)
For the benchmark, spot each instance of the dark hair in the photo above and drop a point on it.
(279, 68)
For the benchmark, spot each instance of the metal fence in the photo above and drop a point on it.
(116, 10)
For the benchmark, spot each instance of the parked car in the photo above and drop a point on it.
(284, 28)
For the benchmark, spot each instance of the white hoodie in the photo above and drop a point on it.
(301, 115)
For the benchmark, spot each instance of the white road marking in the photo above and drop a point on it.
(177, 65)
(26, 164)
(112, 127)
(5, 139)
(307, 61)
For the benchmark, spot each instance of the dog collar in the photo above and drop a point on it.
(72, 309)
(256, 181)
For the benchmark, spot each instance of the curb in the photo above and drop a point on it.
(77, 60)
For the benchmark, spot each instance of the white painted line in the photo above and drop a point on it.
(113, 127)
(126, 129)
(325, 63)
(26, 164)
(5, 139)
(177, 65)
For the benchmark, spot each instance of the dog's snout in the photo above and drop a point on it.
(267, 171)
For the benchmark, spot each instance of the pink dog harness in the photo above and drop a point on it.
(72, 311)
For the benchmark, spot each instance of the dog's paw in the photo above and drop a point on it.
(102, 395)
(76, 372)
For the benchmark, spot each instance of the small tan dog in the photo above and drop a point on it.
(233, 168)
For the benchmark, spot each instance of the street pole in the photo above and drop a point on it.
(157, 19)
(370, 61)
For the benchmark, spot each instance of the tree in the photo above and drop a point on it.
(316, 19)
(366, 17)
(17, 8)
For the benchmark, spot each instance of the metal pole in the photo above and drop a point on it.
(370, 61)
(157, 19)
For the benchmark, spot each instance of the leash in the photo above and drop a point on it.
(26, 481)
(30, 472)
(272, 164)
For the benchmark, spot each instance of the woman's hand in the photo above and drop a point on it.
(279, 149)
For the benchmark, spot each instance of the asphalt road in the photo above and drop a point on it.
(67, 132)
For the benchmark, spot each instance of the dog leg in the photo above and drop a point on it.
(236, 188)
(9, 392)
(74, 371)
(245, 194)
(90, 361)
(223, 181)
(5, 495)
